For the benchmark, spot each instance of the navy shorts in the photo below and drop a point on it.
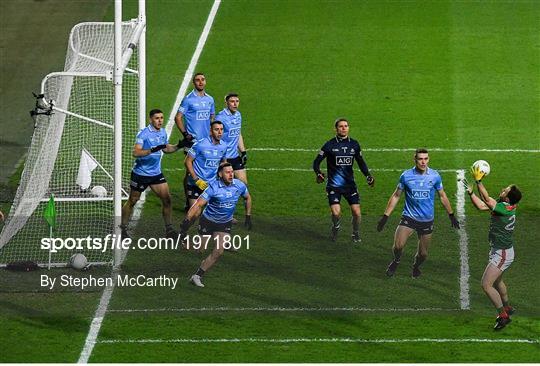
(208, 227)
(422, 228)
(193, 192)
(139, 183)
(334, 195)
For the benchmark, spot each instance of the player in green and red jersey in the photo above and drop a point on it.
(501, 241)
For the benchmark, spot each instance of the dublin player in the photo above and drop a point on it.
(340, 153)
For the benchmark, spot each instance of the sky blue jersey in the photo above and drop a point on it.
(420, 193)
(206, 158)
(222, 200)
(232, 123)
(148, 137)
(197, 111)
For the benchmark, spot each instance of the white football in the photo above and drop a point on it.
(483, 166)
(78, 261)
(99, 191)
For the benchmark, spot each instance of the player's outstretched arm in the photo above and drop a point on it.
(448, 207)
(392, 202)
(484, 196)
(171, 148)
(476, 201)
(138, 151)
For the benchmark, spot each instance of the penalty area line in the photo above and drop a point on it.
(463, 243)
(277, 309)
(95, 326)
(322, 340)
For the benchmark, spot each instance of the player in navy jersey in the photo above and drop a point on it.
(220, 199)
(202, 161)
(232, 136)
(194, 116)
(419, 184)
(150, 144)
(341, 152)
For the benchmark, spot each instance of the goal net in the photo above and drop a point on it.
(72, 150)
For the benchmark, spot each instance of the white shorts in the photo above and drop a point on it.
(501, 258)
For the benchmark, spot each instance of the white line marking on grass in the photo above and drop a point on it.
(392, 149)
(276, 309)
(107, 293)
(191, 68)
(463, 243)
(322, 340)
(96, 322)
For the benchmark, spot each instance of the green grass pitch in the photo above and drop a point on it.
(447, 75)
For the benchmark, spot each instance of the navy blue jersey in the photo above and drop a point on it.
(340, 155)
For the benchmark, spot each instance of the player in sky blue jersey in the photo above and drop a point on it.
(150, 144)
(220, 199)
(419, 184)
(193, 117)
(196, 111)
(202, 161)
(341, 152)
(232, 136)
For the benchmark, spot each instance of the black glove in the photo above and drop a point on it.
(382, 222)
(320, 177)
(187, 136)
(181, 144)
(247, 222)
(454, 221)
(157, 148)
(243, 157)
(370, 180)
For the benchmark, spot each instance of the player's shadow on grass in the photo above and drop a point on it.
(38, 318)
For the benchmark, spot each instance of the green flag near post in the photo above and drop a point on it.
(50, 213)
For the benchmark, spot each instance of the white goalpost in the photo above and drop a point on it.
(86, 118)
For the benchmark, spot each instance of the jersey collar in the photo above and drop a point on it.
(196, 93)
(339, 139)
(152, 128)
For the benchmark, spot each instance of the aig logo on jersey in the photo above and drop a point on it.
(234, 132)
(203, 115)
(344, 160)
(211, 163)
(420, 194)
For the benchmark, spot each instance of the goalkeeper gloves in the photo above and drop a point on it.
(382, 222)
(320, 177)
(247, 222)
(201, 184)
(157, 148)
(370, 181)
(243, 157)
(477, 174)
(454, 221)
